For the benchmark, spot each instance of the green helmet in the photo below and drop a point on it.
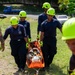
(68, 29)
(51, 11)
(14, 21)
(46, 5)
(22, 14)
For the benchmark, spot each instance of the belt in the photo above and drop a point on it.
(18, 40)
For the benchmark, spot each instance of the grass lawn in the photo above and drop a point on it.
(59, 64)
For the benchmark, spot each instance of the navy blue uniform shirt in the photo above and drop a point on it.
(15, 34)
(26, 25)
(41, 18)
(49, 28)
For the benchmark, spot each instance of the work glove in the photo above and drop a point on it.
(38, 36)
(41, 43)
(29, 39)
(26, 45)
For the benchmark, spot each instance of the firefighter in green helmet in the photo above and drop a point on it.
(48, 37)
(18, 40)
(43, 16)
(25, 23)
(68, 34)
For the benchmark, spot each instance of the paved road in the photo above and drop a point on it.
(31, 15)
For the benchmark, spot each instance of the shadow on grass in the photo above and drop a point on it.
(34, 71)
(54, 70)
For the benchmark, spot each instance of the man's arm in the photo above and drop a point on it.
(26, 39)
(2, 40)
(29, 32)
(39, 25)
(59, 26)
(41, 36)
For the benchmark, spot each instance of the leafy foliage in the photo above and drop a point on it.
(34, 1)
(70, 8)
(67, 6)
(63, 1)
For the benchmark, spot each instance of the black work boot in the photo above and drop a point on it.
(17, 72)
(70, 71)
(22, 71)
(42, 69)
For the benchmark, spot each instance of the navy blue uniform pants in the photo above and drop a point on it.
(19, 51)
(49, 50)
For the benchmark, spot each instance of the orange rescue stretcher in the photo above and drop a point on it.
(35, 58)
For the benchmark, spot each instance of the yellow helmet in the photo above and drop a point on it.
(22, 14)
(68, 29)
(51, 11)
(46, 5)
(14, 20)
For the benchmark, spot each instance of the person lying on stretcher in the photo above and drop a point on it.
(34, 55)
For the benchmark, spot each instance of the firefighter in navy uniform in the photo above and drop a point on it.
(25, 23)
(48, 37)
(43, 16)
(18, 41)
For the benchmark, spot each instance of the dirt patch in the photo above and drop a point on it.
(6, 68)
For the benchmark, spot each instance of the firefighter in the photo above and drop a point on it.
(68, 34)
(43, 16)
(48, 37)
(2, 41)
(25, 23)
(18, 40)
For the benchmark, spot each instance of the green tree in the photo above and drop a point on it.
(67, 6)
(70, 9)
(63, 4)
(63, 1)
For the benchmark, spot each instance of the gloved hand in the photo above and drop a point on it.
(26, 45)
(29, 39)
(38, 36)
(41, 43)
